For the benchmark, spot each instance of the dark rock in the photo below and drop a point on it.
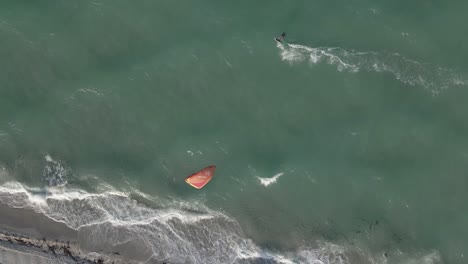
(52, 249)
(68, 253)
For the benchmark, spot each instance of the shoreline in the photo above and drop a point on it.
(14, 247)
(30, 237)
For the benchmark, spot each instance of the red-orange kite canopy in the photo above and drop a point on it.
(201, 178)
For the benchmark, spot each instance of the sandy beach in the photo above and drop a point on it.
(30, 237)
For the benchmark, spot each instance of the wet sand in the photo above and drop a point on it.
(30, 237)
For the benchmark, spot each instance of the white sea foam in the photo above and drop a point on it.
(268, 181)
(113, 222)
(90, 91)
(3, 173)
(433, 78)
(55, 172)
(112, 219)
(170, 231)
(48, 158)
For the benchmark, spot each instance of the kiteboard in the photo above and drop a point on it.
(201, 178)
(281, 37)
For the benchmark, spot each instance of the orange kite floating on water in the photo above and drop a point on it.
(201, 178)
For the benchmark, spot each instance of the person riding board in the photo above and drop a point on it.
(281, 37)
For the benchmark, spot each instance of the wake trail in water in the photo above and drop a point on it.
(411, 72)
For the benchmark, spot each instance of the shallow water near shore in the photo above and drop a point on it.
(345, 144)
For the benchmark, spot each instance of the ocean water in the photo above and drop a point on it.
(346, 144)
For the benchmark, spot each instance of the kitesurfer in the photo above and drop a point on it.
(281, 37)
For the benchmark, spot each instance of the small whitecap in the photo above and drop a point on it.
(268, 181)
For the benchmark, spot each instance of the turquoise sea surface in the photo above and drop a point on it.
(347, 143)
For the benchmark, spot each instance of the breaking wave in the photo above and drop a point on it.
(174, 232)
(55, 172)
(144, 228)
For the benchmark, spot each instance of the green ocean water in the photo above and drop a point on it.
(361, 114)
